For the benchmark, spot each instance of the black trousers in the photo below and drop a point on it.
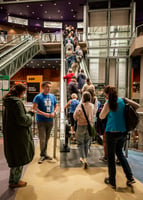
(115, 142)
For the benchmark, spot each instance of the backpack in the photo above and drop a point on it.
(131, 117)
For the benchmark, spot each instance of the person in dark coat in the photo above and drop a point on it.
(73, 87)
(81, 79)
(18, 141)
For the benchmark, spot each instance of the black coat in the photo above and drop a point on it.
(81, 80)
(18, 140)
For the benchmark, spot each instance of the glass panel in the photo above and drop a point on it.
(97, 70)
(97, 32)
(120, 17)
(122, 77)
(120, 31)
(98, 43)
(98, 52)
(112, 72)
(119, 43)
(118, 52)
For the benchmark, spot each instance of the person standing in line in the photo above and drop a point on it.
(116, 132)
(83, 138)
(73, 103)
(88, 85)
(69, 76)
(45, 104)
(81, 79)
(18, 140)
(73, 87)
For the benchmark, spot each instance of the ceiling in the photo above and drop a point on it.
(67, 11)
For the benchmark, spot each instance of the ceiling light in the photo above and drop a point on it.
(1, 7)
(55, 4)
(72, 10)
(43, 66)
(46, 11)
(41, 5)
(59, 11)
(37, 64)
(20, 13)
(69, 3)
(38, 18)
(44, 61)
(33, 12)
(27, 6)
(61, 17)
(73, 16)
(49, 64)
(49, 17)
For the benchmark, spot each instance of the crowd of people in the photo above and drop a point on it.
(83, 104)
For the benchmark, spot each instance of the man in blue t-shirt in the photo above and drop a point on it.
(45, 105)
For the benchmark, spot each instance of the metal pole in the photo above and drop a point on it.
(55, 136)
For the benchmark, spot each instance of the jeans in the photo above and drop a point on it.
(15, 175)
(115, 142)
(83, 140)
(44, 135)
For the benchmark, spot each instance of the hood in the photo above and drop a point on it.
(9, 101)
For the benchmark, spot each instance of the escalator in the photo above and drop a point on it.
(14, 57)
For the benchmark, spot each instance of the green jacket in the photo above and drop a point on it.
(18, 141)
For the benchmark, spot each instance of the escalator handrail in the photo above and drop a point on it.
(9, 42)
(2, 65)
(13, 48)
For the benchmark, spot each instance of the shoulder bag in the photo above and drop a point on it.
(91, 129)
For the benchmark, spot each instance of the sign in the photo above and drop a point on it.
(33, 86)
(4, 86)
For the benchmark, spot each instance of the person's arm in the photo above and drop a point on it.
(65, 77)
(21, 117)
(132, 103)
(68, 104)
(76, 113)
(104, 111)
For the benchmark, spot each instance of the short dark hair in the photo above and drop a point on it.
(88, 80)
(86, 96)
(82, 70)
(16, 90)
(45, 83)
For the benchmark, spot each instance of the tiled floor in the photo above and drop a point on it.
(49, 181)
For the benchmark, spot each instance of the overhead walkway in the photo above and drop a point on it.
(12, 59)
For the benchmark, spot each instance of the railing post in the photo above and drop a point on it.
(55, 136)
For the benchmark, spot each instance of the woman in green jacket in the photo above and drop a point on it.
(18, 141)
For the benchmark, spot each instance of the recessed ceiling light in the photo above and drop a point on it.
(1, 7)
(27, 6)
(43, 66)
(73, 16)
(56, 61)
(41, 4)
(33, 12)
(31, 61)
(20, 13)
(59, 11)
(49, 64)
(46, 11)
(43, 61)
(69, 3)
(38, 18)
(72, 10)
(55, 4)
(61, 17)
(37, 64)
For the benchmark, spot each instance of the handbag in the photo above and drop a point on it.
(131, 116)
(91, 129)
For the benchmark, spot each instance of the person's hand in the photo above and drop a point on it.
(52, 115)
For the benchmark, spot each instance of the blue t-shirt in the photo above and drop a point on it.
(116, 120)
(46, 103)
(74, 103)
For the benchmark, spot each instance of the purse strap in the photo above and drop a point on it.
(85, 114)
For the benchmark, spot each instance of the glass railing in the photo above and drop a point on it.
(50, 37)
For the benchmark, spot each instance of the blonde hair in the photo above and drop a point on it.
(74, 96)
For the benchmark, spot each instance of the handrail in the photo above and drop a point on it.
(62, 100)
(9, 42)
(5, 53)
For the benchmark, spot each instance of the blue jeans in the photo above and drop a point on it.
(83, 139)
(115, 142)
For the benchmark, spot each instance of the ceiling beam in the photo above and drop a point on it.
(24, 1)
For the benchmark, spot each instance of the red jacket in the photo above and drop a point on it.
(69, 77)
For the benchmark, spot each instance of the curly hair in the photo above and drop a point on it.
(113, 96)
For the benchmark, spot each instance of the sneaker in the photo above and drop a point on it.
(106, 180)
(48, 158)
(41, 159)
(130, 182)
(85, 165)
(104, 159)
(19, 184)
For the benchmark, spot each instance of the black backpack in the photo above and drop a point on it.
(131, 117)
